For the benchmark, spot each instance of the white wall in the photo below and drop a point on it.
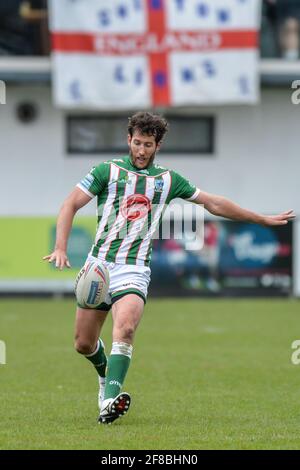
(256, 163)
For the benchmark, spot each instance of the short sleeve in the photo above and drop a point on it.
(95, 181)
(182, 188)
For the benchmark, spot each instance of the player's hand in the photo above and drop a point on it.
(60, 258)
(280, 219)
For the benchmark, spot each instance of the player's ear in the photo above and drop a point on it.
(158, 146)
(129, 139)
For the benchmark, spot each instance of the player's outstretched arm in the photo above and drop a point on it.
(223, 207)
(71, 205)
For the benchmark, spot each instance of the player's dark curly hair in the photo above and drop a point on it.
(149, 124)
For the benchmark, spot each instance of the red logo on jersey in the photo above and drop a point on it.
(135, 207)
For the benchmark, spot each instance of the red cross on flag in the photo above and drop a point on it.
(122, 54)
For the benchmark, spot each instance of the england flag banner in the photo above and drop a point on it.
(129, 54)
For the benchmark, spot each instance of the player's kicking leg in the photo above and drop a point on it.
(126, 312)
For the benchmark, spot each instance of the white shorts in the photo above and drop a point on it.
(124, 279)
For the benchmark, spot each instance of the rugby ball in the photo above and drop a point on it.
(91, 285)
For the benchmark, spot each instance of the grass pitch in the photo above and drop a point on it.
(213, 374)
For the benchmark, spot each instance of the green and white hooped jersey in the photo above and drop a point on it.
(130, 207)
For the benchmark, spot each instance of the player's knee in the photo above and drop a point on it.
(126, 333)
(83, 346)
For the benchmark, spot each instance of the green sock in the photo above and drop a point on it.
(117, 367)
(98, 358)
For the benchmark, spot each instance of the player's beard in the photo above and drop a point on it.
(150, 161)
